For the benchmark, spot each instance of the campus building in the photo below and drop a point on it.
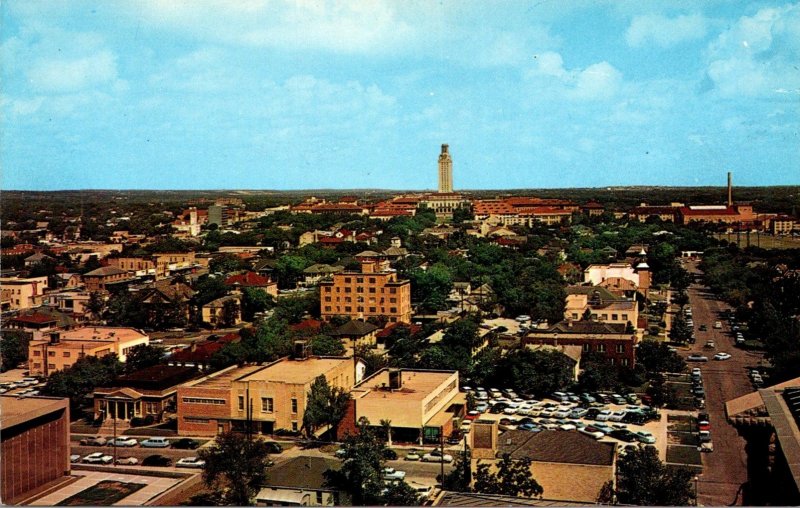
(373, 292)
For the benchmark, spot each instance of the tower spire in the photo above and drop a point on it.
(445, 170)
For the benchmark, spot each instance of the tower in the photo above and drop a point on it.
(730, 191)
(445, 171)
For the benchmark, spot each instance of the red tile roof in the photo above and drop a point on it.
(249, 279)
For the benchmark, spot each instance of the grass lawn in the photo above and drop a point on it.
(684, 455)
(104, 493)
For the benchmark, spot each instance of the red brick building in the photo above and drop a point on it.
(35, 445)
(608, 339)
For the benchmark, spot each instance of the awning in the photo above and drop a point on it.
(283, 496)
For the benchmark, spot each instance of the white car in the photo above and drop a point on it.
(436, 456)
(190, 462)
(75, 458)
(98, 458)
(567, 426)
(722, 356)
(123, 441)
(129, 461)
(390, 473)
(412, 455)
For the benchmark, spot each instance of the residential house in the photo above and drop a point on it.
(300, 482)
(569, 466)
(220, 312)
(316, 272)
(601, 305)
(41, 320)
(355, 334)
(36, 259)
(253, 280)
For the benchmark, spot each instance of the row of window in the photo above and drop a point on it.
(372, 310)
(267, 404)
(328, 289)
(601, 348)
(360, 299)
(198, 400)
(51, 366)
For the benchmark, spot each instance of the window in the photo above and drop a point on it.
(393, 310)
(359, 280)
(372, 280)
(327, 308)
(359, 309)
(359, 289)
(51, 353)
(266, 404)
(294, 426)
(66, 354)
(241, 402)
(392, 300)
(372, 290)
(319, 497)
(328, 299)
(348, 308)
(392, 290)
(294, 408)
(574, 316)
(37, 365)
(373, 310)
(586, 348)
(348, 299)
(624, 317)
(51, 365)
(620, 348)
(614, 317)
(347, 290)
(327, 289)
(601, 348)
(347, 280)
(37, 353)
(198, 400)
(625, 362)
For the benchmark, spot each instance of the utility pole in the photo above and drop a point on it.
(116, 410)
(467, 466)
(441, 457)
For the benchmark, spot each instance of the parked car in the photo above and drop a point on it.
(695, 357)
(623, 435)
(412, 455)
(703, 328)
(717, 325)
(155, 442)
(603, 415)
(592, 431)
(705, 436)
(184, 444)
(157, 460)
(437, 456)
(618, 399)
(128, 461)
(617, 416)
(389, 454)
(391, 474)
(706, 447)
(645, 437)
(75, 458)
(190, 462)
(98, 458)
(722, 356)
(696, 372)
(710, 344)
(586, 398)
(272, 447)
(94, 441)
(123, 441)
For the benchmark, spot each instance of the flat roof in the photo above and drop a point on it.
(14, 411)
(295, 371)
(223, 378)
(102, 333)
(414, 385)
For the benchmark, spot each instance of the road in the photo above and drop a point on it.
(725, 470)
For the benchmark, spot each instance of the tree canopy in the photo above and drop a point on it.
(236, 467)
(642, 479)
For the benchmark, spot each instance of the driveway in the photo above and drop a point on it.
(725, 469)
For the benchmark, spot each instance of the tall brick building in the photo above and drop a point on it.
(374, 291)
(35, 445)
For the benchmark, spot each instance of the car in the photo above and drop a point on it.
(703, 425)
(577, 413)
(699, 392)
(562, 412)
(482, 407)
(482, 396)
(722, 356)
(697, 372)
(710, 344)
(591, 413)
(98, 458)
(703, 328)
(498, 408)
(645, 437)
(466, 389)
(436, 456)
(695, 357)
(157, 460)
(603, 415)
(632, 398)
(717, 325)
(592, 431)
(530, 427)
(567, 426)
(602, 427)
(560, 396)
(272, 447)
(423, 492)
(94, 441)
(617, 416)
(74, 458)
(128, 461)
(706, 447)
(123, 441)
(389, 454)
(340, 453)
(523, 318)
(704, 435)
(155, 442)
(412, 455)
(623, 435)
(586, 398)
(190, 462)
(184, 444)
(392, 474)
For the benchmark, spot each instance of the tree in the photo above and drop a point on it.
(642, 479)
(208, 289)
(535, 372)
(431, 287)
(360, 476)
(230, 313)
(326, 405)
(325, 345)
(255, 300)
(79, 381)
(95, 306)
(13, 349)
(142, 356)
(460, 477)
(236, 466)
(680, 331)
(512, 478)
(227, 263)
(656, 357)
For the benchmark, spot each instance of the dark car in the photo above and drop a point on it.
(157, 460)
(635, 418)
(389, 454)
(287, 432)
(623, 435)
(498, 408)
(454, 438)
(273, 447)
(186, 444)
(592, 413)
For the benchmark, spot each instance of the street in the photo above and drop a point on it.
(725, 469)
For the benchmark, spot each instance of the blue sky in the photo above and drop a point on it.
(250, 94)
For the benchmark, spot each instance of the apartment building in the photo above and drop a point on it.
(105, 278)
(22, 293)
(274, 395)
(372, 292)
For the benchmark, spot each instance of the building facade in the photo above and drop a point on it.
(373, 292)
(445, 170)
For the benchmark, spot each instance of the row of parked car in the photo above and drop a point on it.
(152, 442)
(152, 460)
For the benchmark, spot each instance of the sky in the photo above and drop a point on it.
(302, 94)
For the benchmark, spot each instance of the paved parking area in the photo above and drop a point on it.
(153, 487)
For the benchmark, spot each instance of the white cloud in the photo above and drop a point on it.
(758, 55)
(59, 75)
(599, 81)
(664, 31)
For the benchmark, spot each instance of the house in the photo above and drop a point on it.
(316, 272)
(253, 280)
(106, 278)
(167, 294)
(372, 292)
(572, 352)
(357, 334)
(271, 397)
(61, 349)
(422, 405)
(71, 302)
(619, 275)
(37, 258)
(768, 421)
(569, 466)
(199, 353)
(612, 340)
(147, 392)
(600, 304)
(224, 311)
(41, 320)
(68, 280)
(34, 446)
(300, 482)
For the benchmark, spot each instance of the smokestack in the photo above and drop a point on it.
(730, 190)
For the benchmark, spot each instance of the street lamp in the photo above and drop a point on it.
(696, 480)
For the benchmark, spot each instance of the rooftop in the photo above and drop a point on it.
(302, 473)
(415, 384)
(294, 371)
(14, 411)
(222, 379)
(556, 446)
(105, 271)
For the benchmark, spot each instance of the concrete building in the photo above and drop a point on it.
(275, 395)
(445, 170)
(568, 465)
(421, 404)
(62, 349)
(35, 448)
(22, 293)
(374, 291)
